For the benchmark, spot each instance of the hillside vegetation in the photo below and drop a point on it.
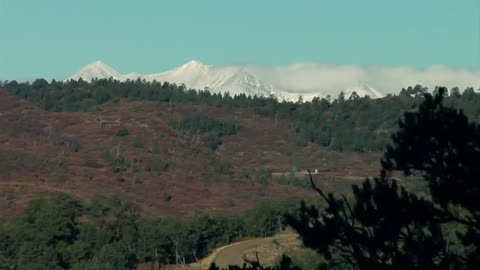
(64, 233)
(172, 160)
(173, 157)
(342, 123)
(165, 146)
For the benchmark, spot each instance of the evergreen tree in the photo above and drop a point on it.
(386, 226)
(455, 92)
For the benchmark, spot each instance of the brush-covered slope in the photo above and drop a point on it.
(138, 151)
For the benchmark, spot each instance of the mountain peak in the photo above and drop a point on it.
(238, 79)
(194, 62)
(194, 65)
(99, 70)
(98, 65)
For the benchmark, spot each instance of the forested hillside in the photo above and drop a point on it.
(155, 150)
(171, 159)
(65, 233)
(341, 123)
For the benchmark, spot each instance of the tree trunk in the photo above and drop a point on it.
(194, 252)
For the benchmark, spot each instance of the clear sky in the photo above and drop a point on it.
(55, 38)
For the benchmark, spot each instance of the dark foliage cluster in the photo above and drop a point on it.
(205, 124)
(387, 227)
(211, 129)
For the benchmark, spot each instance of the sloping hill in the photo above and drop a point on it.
(161, 168)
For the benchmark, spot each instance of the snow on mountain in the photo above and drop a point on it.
(194, 74)
(362, 90)
(97, 70)
(316, 80)
(302, 79)
(232, 79)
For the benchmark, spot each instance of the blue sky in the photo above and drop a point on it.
(55, 38)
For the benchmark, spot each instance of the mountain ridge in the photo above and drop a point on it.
(232, 79)
(97, 69)
(304, 79)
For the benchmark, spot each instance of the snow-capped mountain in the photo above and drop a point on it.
(194, 74)
(307, 80)
(97, 70)
(232, 79)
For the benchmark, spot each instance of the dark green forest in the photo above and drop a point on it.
(387, 226)
(341, 123)
(65, 233)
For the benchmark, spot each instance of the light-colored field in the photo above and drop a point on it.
(267, 249)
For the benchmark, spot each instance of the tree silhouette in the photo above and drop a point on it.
(388, 227)
(284, 264)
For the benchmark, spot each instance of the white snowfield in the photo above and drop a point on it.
(306, 80)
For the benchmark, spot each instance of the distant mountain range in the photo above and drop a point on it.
(307, 80)
(232, 79)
